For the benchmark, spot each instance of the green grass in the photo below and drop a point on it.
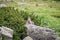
(14, 16)
(10, 18)
(9, 4)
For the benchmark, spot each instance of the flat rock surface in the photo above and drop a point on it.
(27, 38)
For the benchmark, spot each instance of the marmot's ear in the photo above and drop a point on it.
(29, 20)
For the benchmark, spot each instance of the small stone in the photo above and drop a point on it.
(2, 5)
(27, 38)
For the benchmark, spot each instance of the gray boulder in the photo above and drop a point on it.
(40, 33)
(6, 32)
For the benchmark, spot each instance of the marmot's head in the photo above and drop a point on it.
(29, 21)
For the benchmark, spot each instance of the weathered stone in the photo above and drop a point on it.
(6, 0)
(27, 38)
(40, 33)
(7, 32)
(2, 5)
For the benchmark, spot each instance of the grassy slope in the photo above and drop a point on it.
(48, 13)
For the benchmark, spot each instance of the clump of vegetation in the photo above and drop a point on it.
(12, 19)
(16, 19)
